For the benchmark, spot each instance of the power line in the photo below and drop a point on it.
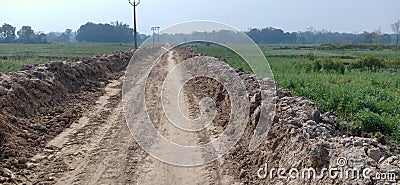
(134, 5)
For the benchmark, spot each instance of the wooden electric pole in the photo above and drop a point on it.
(134, 5)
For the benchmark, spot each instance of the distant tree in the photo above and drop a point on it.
(142, 37)
(370, 38)
(27, 36)
(7, 33)
(53, 37)
(114, 32)
(66, 36)
(68, 32)
(271, 36)
(40, 38)
(385, 39)
(396, 29)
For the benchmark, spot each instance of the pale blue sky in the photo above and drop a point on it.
(352, 16)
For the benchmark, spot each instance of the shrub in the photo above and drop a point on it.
(394, 63)
(310, 55)
(371, 122)
(369, 63)
(329, 65)
(327, 47)
(317, 66)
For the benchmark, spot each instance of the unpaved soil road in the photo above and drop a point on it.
(162, 173)
(99, 149)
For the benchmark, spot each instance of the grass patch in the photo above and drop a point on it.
(14, 56)
(217, 51)
(16, 65)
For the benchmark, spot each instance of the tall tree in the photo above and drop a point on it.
(396, 30)
(7, 33)
(26, 35)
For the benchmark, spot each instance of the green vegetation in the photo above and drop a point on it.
(360, 85)
(14, 56)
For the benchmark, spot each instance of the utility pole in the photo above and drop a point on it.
(134, 5)
(153, 29)
(158, 33)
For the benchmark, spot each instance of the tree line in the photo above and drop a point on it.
(25, 35)
(278, 36)
(121, 33)
(116, 32)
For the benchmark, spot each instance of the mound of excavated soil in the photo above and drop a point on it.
(39, 102)
(301, 138)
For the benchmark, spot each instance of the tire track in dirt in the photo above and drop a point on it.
(98, 149)
(153, 171)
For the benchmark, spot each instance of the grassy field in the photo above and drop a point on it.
(366, 99)
(14, 56)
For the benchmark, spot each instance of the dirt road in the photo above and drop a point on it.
(162, 173)
(99, 149)
(56, 128)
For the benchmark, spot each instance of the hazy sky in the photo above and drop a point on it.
(352, 16)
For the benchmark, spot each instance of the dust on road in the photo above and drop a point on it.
(99, 149)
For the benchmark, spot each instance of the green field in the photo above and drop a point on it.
(14, 56)
(366, 99)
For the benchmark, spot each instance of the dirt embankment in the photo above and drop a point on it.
(301, 138)
(39, 102)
